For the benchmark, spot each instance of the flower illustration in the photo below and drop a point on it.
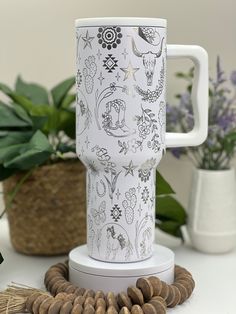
(145, 195)
(144, 130)
(145, 171)
(109, 37)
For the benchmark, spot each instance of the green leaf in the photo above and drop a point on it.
(171, 227)
(9, 119)
(162, 186)
(21, 113)
(10, 152)
(66, 122)
(35, 153)
(168, 208)
(5, 89)
(68, 100)
(9, 138)
(60, 91)
(6, 173)
(34, 92)
(1, 258)
(65, 148)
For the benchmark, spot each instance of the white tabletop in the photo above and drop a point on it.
(215, 275)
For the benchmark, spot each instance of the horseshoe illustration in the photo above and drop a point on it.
(104, 188)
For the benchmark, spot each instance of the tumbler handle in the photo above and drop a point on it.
(199, 96)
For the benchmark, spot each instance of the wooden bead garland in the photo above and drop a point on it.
(150, 295)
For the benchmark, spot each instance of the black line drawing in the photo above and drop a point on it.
(116, 212)
(129, 169)
(150, 35)
(86, 142)
(101, 194)
(125, 53)
(139, 226)
(78, 37)
(162, 120)
(89, 72)
(87, 40)
(118, 194)
(146, 243)
(147, 126)
(139, 187)
(140, 209)
(129, 72)
(117, 76)
(146, 168)
(145, 195)
(101, 78)
(118, 242)
(101, 97)
(78, 78)
(149, 60)
(152, 96)
(83, 113)
(112, 181)
(110, 63)
(99, 54)
(91, 233)
(129, 205)
(114, 118)
(109, 37)
(99, 215)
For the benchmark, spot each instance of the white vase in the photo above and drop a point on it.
(212, 211)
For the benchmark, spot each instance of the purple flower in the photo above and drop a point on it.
(233, 78)
(177, 152)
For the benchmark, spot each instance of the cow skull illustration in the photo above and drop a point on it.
(149, 60)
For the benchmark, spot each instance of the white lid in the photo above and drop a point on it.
(162, 259)
(121, 21)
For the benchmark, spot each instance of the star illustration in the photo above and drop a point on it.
(87, 40)
(100, 78)
(129, 169)
(129, 72)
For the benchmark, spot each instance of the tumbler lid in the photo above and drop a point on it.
(120, 21)
(162, 259)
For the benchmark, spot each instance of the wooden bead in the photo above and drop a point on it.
(63, 287)
(164, 290)
(159, 299)
(51, 276)
(149, 309)
(188, 286)
(89, 293)
(30, 300)
(111, 310)
(99, 294)
(100, 310)
(70, 289)
(77, 309)
(88, 309)
(55, 307)
(177, 297)
(111, 300)
(124, 310)
(52, 281)
(56, 285)
(135, 295)
(44, 306)
(79, 291)
(79, 300)
(100, 302)
(89, 300)
(136, 309)
(171, 296)
(61, 296)
(124, 300)
(146, 287)
(37, 303)
(156, 285)
(159, 307)
(71, 297)
(183, 292)
(66, 308)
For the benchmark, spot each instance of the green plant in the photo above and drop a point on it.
(170, 214)
(1, 258)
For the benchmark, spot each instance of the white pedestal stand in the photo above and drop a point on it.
(89, 273)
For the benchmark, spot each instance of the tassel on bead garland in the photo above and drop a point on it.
(13, 299)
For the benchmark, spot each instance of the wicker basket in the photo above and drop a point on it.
(48, 214)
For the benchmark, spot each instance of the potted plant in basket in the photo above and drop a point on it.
(43, 184)
(212, 204)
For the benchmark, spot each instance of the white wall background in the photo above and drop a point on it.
(37, 40)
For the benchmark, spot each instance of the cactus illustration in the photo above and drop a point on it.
(129, 204)
(89, 72)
